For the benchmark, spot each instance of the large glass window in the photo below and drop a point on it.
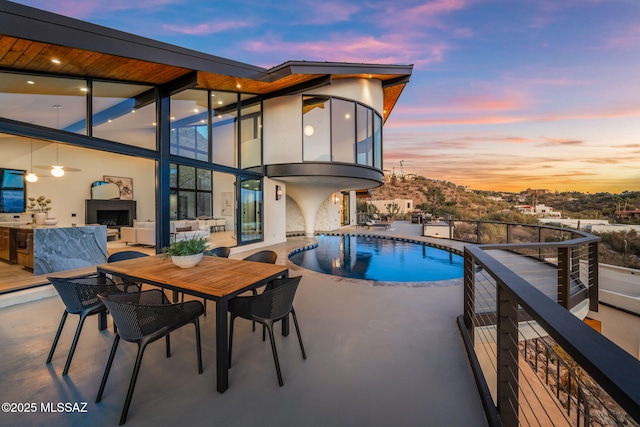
(58, 103)
(364, 143)
(125, 113)
(224, 129)
(190, 195)
(251, 134)
(190, 124)
(316, 119)
(251, 208)
(377, 141)
(342, 130)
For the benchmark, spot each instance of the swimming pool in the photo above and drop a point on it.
(384, 260)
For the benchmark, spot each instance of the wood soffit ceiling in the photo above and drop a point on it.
(34, 56)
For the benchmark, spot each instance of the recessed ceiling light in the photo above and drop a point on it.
(30, 82)
(202, 121)
(195, 110)
(56, 61)
(219, 102)
(173, 118)
(84, 89)
(154, 123)
(238, 86)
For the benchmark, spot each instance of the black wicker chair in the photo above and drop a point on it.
(143, 318)
(221, 252)
(80, 296)
(123, 255)
(274, 304)
(268, 257)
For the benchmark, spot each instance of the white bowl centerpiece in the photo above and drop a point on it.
(186, 253)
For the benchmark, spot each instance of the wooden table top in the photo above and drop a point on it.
(213, 276)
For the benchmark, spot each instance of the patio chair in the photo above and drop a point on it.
(125, 255)
(143, 318)
(221, 251)
(80, 296)
(274, 304)
(266, 256)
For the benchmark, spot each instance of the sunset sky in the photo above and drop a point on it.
(505, 94)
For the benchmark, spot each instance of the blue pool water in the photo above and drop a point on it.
(372, 258)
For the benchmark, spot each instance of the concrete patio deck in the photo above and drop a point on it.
(376, 356)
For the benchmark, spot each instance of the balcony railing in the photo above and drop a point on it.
(536, 362)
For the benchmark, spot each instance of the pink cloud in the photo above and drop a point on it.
(627, 38)
(395, 49)
(398, 121)
(205, 28)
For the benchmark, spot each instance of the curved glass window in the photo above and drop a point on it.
(343, 130)
(316, 139)
(339, 130)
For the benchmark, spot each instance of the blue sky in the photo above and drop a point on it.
(505, 94)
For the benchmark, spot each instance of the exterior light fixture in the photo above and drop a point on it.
(278, 192)
(308, 130)
(56, 61)
(30, 82)
(336, 198)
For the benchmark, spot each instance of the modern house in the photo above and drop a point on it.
(268, 151)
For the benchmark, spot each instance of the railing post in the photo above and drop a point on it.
(507, 359)
(478, 232)
(508, 234)
(593, 276)
(564, 276)
(469, 291)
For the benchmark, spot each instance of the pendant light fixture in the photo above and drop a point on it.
(57, 170)
(31, 177)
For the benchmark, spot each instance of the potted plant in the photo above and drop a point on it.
(186, 253)
(41, 206)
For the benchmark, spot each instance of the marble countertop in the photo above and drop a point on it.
(30, 226)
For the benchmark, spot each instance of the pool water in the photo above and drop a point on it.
(384, 260)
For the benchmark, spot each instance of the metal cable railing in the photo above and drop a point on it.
(541, 365)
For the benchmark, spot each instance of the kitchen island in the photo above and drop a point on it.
(48, 249)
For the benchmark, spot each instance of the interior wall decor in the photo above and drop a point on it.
(125, 185)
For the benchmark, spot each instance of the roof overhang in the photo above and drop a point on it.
(30, 38)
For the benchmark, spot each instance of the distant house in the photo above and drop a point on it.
(386, 206)
(634, 214)
(539, 210)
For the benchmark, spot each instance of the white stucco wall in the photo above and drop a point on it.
(68, 193)
(366, 91)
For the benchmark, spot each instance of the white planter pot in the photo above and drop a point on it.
(186, 261)
(40, 217)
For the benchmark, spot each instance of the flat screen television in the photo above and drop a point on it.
(13, 197)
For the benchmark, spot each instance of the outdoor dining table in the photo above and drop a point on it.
(214, 278)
